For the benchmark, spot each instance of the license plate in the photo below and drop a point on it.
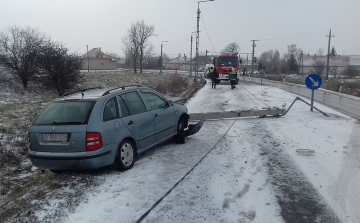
(55, 137)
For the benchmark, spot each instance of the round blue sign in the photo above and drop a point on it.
(313, 81)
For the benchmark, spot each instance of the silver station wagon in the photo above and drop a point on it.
(100, 127)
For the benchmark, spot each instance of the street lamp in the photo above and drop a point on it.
(197, 36)
(191, 54)
(161, 56)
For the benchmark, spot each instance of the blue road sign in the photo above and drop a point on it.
(313, 81)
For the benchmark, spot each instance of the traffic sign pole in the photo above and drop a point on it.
(313, 82)
(262, 74)
(312, 100)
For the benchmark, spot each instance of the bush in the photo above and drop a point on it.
(350, 72)
(173, 86)
(274, 77)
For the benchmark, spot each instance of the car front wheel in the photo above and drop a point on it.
(126, 155)
(180, 137)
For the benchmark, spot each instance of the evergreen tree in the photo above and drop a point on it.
(333, 52)
(292, 64)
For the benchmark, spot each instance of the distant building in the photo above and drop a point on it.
(312, 63)
(355, 61)
(176, 63)
(95, 59)
(201, 60)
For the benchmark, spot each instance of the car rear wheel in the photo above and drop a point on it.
(180, 137)
(126, 155)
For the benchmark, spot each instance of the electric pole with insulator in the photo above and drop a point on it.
(252, 60)
(328, 55)
(197, 37)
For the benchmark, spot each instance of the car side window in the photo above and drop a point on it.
(123, 108)
(110, 110)
(155, 102)
(134, 103)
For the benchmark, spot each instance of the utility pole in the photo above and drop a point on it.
(161, 59)
(87, 52)
(252, 61)
(191, 66)
(302, 62)
(247, 58)
(206, 56)
(197, 41)
(197, 37)
(161, 56)
(191, 56)
(328, 55)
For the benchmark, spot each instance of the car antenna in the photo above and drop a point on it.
(82, 94)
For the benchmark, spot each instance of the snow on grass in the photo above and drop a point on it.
(32, 195)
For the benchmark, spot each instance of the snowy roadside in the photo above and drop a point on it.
(253, 174)
(25, 190)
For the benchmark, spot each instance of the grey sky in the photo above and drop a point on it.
(276, 23)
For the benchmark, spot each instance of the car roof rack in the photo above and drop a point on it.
(78, 91)
(117, 88)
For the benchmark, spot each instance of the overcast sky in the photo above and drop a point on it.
(275, 23)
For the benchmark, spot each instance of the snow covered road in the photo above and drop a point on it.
(250, 174)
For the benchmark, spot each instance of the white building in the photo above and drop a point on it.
(95, 59)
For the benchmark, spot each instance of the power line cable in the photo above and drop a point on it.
(177, 183)
(182, 43)
(207, 32)
(215, 51)
(291, 37)
(254, 96)
(347, 30)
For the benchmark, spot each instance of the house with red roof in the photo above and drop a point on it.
(95, 59)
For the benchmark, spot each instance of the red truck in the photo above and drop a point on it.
(224, 63)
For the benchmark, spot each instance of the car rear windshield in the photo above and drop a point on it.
(65, 113)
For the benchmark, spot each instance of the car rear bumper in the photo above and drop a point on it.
(72, 161)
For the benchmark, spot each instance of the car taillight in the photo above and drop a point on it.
(29, 140)
(93, 141)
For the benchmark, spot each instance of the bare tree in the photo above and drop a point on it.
(148, 57)
(320, 52)
(137, 41)
(350, 72)
(271, 61)
(132, 46)
(292, 50)
(334, 71)
(231, 49)
(319, 67)
(18, 51)
(113, 55)
(144, 33)
(59, 69)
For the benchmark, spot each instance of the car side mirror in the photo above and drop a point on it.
(171, 102)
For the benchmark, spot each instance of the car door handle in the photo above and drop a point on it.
(131, 123)
(156, 116)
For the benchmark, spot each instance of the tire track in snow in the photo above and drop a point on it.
(298, 199)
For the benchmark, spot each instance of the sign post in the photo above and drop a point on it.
(313, 82)
(262, 74)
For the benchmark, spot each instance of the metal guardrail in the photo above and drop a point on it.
(342, 102)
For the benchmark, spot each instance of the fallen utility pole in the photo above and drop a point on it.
(276, 112)
(267, 111)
